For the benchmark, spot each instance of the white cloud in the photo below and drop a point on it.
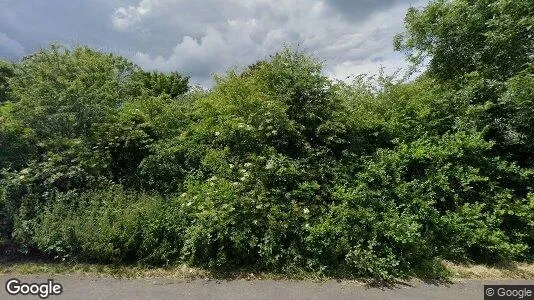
(246, 31)
(191, 56)
(347, 69)
(126, 17)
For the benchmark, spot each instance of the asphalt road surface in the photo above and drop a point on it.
(81, 288)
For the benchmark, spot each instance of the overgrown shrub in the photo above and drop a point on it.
(112, 225)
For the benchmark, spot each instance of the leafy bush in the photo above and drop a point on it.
(456, 193)
(112, 226)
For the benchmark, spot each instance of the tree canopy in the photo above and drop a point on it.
(493, 38)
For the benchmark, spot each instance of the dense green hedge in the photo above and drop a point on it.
(277, 167)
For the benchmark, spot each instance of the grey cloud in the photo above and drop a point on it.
(36, 24)
(361, 9)
(9, 47)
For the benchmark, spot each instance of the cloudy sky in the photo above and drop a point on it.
(202, 37)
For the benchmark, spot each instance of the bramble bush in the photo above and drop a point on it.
(278, 167)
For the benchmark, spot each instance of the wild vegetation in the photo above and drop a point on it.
(279, 167)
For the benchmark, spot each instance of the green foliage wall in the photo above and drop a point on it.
(279, 167)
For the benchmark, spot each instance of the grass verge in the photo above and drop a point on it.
(506, 271)
(184, 272)
(11, 263)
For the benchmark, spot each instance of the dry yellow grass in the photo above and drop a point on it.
(183, 272)
(94, 270)
(509, 271)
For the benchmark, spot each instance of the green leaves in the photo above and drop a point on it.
(492, 37)
(6, 72)
(62, 93)
(157, 83)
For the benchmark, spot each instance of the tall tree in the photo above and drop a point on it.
(493, 37)
(63, 92)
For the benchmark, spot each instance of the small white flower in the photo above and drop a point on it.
(306, 210)
(217, 133)
(247, 165)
